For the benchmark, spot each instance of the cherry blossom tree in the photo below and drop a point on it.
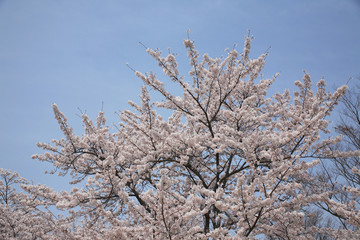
(349, 127)
(340, 173)
(22, 216)
(230, 162)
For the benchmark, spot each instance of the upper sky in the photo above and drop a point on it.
(74, 53)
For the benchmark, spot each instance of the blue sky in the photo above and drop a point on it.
(74, 53)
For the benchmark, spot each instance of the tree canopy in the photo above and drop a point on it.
(230, 162)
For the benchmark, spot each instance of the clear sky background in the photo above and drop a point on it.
(74, 53)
